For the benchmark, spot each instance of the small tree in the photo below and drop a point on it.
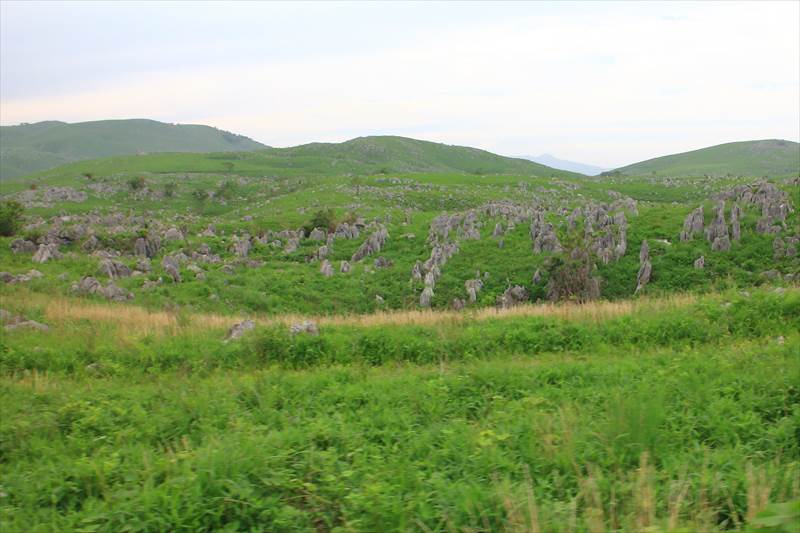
(136, 183)
(571, 276)
(170, 188)
(10, 218)
(226, 190)
(324, 218)
(200, 196)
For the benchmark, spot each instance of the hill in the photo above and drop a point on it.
(563, 164)
(771, 157)
(360, 156)
(29, 148)
(402, 154)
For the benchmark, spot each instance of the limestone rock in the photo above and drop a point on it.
(307, 327)
(22, 246)
(425, 297)
(45, 253)
(326, 269)
(513, 296)
(237, 330)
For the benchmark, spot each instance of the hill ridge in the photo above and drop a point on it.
(32, 147)
(761, 157)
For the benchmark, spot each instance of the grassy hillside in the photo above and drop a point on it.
(357, 157)
(350, 402)
(772, 157)
(29, 148)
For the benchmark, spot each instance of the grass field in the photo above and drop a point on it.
(678, 415)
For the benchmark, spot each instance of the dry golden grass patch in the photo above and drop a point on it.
(133, 320)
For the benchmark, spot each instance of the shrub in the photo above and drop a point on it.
(169, 189)
(324, 218)
(571, 278)
(10, 218)
(136, 183)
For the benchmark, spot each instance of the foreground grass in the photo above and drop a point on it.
(696, 438)
(681, 418)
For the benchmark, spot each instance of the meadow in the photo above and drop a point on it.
(671, 406)
(679, 415)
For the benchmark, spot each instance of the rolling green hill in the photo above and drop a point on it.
(29, 148)
(771, 157)
(360, 156)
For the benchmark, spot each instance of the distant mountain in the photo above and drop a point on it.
(772, 157)
(29, 148)
(563, 164)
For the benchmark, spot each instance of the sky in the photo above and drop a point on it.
(600, 83)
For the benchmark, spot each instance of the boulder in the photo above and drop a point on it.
(692, 224)
(113, 292)
(173, 234)
(23, 246)
(425, 297)
(307, 327)
(513, 296)
(382, 262)
(45, 253)
(317, 234)
(114, 269)
(700, 263)
(171, 266)
(326, 269)
(237, 330)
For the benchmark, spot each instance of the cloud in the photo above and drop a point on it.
(603, 88)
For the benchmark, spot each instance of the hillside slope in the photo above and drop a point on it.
(29, 148)
(360, 156)
(770, 157)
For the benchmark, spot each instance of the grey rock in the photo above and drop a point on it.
(45, 253)
(22, 246)
(382, 262)
(326, 269)
(425, 297)
(513, 296)
(237, 330)
(173, 234)
(27, 324)
(114, 269)
(171, 266)
(306, 327)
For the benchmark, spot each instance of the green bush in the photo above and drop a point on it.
(137, 183)
(10, 218)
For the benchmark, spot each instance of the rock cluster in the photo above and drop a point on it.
(90, 285)
(45, 253)
(692, 224)
(114, 269)
(513, 296)
(7, 277)
(371, 245)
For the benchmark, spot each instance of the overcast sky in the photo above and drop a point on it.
(600, 83)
